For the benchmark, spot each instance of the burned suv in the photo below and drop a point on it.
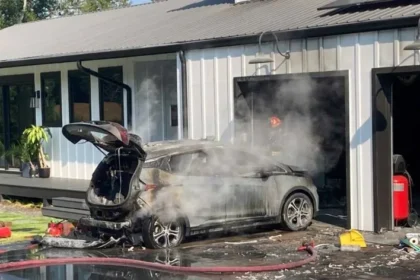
(159, 193)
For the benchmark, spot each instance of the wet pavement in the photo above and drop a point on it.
(263, 247)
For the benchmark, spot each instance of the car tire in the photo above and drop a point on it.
(159, 235)
(295, 218)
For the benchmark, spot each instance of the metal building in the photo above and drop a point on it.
(184, 59)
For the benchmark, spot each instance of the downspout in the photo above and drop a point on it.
(184, 94)
(112, 81)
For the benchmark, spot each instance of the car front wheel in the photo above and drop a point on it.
(297, 212)
(158, 234)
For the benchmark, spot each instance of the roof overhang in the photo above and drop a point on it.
(220, 42)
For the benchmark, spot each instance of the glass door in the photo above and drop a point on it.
(16, 116)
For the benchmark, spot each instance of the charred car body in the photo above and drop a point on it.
(162, 192)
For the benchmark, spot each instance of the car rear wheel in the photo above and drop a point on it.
(158, 234)
(297, 212)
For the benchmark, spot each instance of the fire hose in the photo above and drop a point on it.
(13, 266)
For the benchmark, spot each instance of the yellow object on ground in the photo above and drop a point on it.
(352, 237)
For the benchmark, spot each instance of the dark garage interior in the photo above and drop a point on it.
(312, 108)
(394, 126)
(405, 126)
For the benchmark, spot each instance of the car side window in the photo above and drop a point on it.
(180, 163)
(153, 163)
(240, 162)
(188, 163)
(246, 162)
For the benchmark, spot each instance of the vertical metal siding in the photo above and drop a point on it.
(210, 91)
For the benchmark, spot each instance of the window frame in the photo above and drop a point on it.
(186, 173)
(101, 98)
(71, 113)
(43, 76)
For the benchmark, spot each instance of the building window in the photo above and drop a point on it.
(111, 96)
(79, 96)
(51, 99)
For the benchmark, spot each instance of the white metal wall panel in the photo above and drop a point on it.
(78, 161)
(312, 57)
(210, 84)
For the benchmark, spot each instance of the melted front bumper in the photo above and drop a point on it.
(90, 222)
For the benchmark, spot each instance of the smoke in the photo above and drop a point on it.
(194, 190)
(311, 136)
(312, 132)
(155, 91)
(221, 184)
(148, 112)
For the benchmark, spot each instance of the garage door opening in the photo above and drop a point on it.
(310, 129)
(394, 124)
(405, 127)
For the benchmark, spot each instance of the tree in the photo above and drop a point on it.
(17, 11)
(100, 5)
(10, 12)
(75, 7)
(43, 9)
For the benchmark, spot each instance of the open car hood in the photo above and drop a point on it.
(107, 135)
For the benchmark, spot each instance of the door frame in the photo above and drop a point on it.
(344, 74)
(382, 82)
(5, 82)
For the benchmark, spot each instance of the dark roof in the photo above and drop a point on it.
(180, 22)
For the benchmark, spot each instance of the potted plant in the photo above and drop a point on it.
(27, 168)
(35, 137)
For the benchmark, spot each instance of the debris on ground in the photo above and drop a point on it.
(350, 248)
(381, 259)
(242, 242)
(410, 243)
(275, 237)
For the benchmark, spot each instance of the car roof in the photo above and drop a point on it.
(159, 149)
(163, 148)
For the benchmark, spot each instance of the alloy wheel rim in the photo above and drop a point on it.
(166, 257)
(299, 212)
(166, 235)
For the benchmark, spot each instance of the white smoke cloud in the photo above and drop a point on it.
(309, 138)
(300, 104)
(148, 111)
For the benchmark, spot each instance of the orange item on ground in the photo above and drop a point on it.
(59, 229)
(5, 232)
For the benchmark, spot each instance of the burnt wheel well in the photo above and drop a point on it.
(298, 190)
(180, 215)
